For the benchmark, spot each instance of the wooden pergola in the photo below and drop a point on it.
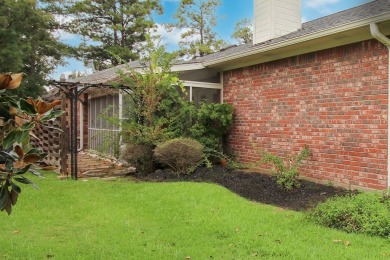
(72, 91)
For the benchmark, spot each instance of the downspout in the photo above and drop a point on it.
(386, 41)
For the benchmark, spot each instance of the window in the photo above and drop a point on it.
(210, 93)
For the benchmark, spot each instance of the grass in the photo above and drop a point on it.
(97, 219)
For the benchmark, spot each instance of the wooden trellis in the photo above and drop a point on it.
(71, 91)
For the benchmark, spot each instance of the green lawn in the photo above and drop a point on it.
(97, 219)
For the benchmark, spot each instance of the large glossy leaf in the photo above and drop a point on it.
(8, 204)
(24, 170)
(16, 80)
(16, 188)
(5, 79)
(31, 158)
(6, 156)
(9, 140)
(27, 107)
(21, 136)
(19, 151)
(3, 196)
(51, 115)
(37, 173)
(24, 180)
(27, 127)
(13, 196)
(34, 150)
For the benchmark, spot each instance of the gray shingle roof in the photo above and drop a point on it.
(107, 75)
(355, 14)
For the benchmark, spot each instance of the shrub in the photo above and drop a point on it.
(182, 155)
(286, 173)
(367, 213)
(213, 122)
(140, 156)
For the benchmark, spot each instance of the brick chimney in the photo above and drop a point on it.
(274, 18)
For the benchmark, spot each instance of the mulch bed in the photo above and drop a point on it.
(253, 186)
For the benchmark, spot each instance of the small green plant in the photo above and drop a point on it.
(286, 173)
(367, 213)
(140, 156)
(182, 155)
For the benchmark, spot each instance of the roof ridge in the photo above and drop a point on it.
(342, 11)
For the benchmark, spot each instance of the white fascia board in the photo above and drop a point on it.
(198, 84)
(186, 67)
(294, 41)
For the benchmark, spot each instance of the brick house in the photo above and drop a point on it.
(323, 83)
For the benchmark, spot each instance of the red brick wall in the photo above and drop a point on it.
(334, 100)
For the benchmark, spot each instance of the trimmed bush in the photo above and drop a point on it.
(182, 155)
(367, 213)
(140, 156)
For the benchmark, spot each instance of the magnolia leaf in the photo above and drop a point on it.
(27, 107)
(31, 158)
(36, 173)
(21, 136)
(51, 115)
(41, 107)
(24, 170)
(16, 80)
(53, 104)
(8, 205)
(9, 140)
(34, 151)
(27, 127)
(19, 151)
(6, 156)
(3, 196)
(5, 79)
(13, 196)
(23, 180)
(16, 188)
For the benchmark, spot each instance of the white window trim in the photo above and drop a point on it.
(198, 84)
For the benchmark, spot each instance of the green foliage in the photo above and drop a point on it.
(155, 98)
(243, 31)
(213, 122)
(140, 156)
(15, 150)
(199, 16)
(182, 155)
(118, 26)
(209, 124)
(286, 173)
(367, 213)
(28, 44)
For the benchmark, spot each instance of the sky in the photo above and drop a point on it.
(228, 14)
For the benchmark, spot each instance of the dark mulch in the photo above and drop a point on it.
(254, 186)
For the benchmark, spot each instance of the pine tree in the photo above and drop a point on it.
(112, 29)
(243, 31)
(198, 17)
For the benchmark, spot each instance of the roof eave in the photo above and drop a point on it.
(227, 62)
